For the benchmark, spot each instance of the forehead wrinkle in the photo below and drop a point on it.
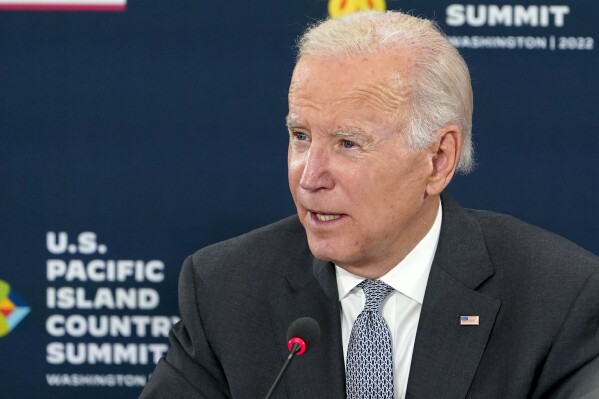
(388, 96)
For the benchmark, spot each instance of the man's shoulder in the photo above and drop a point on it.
(519, 248)
(498, 227)
(276, 242)
(280, 232)
(509, 239)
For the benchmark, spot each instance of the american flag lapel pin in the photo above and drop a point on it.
(469, 320)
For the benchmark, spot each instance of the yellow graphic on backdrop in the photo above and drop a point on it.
(12, 309)
(339, 8)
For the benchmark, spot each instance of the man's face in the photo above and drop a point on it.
(360, 191)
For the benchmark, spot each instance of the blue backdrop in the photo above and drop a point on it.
(130, 139)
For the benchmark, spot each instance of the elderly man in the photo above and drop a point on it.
(416, 297)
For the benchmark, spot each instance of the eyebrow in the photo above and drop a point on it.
(343, 133)
(291, 123)
(352, 133)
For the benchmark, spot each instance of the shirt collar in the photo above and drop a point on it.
(409, 276)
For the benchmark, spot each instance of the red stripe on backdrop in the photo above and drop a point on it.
(62, 7)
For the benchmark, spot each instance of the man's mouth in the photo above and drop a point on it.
(324, 217)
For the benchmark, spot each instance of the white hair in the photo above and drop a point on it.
(442, 92)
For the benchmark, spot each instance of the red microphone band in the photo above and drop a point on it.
(300, 342)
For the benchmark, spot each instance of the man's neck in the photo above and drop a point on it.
(376, 268)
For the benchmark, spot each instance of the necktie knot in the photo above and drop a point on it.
(375, 291)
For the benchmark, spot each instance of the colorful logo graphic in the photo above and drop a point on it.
(63, 5)
(339, 8)
(12, 309)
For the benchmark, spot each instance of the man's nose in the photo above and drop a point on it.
(317, 172)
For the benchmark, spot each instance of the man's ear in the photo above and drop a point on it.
(445, 153)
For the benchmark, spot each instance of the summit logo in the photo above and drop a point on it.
(12, 309)
(477, 15)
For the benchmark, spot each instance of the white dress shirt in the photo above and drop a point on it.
(401, 309)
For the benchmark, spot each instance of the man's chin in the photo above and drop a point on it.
(327, 252)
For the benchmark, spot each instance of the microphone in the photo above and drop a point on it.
(302, 335)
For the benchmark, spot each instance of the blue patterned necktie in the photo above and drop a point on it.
(369, 369)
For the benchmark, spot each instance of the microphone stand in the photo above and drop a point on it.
(294, 349)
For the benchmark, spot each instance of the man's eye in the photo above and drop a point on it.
(301, 136)
(348, 144)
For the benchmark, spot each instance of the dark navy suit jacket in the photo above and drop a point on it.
(536, 294)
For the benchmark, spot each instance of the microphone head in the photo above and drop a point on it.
(305, 332)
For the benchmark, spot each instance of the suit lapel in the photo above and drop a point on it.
(318, 373)
(447, 354)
